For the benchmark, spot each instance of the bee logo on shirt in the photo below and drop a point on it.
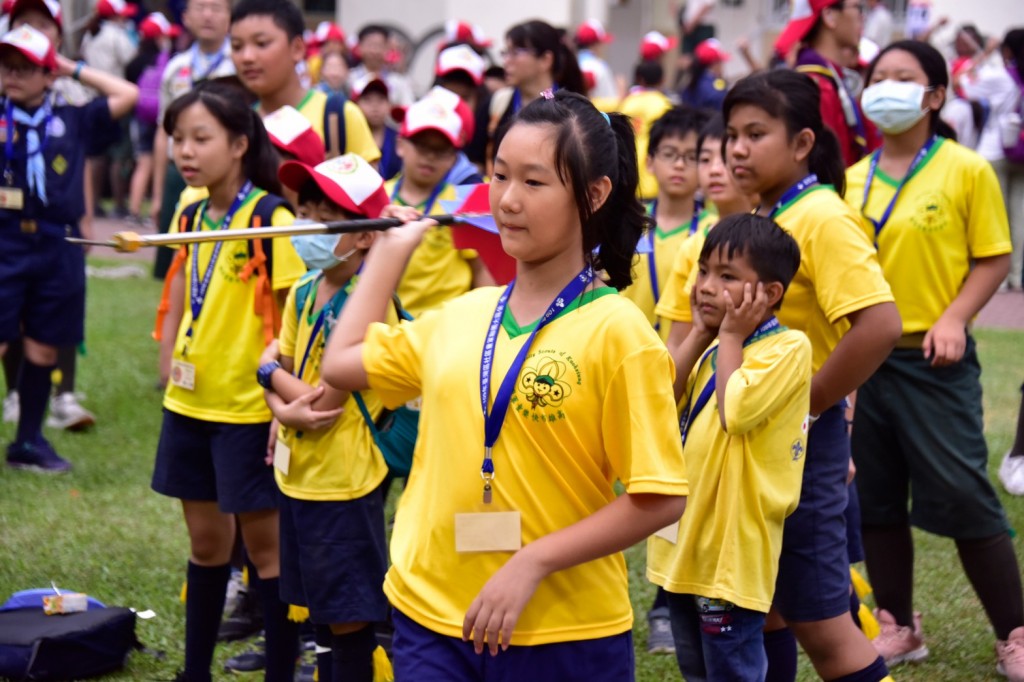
(543, 386)
(931, 213)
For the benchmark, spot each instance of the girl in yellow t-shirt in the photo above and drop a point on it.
(510, 531)
(216, 423)
(936, 215)
(777, 147)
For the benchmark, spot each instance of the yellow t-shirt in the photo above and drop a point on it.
(839, 272)
(667, 243)
(744, 480)
(949, 213)
(437, 271)
(644, 107)
(340, 462)
(556, 460)
(358, 138)
(674, 303)
(227, 339)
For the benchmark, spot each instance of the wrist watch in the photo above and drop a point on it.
(264, 373)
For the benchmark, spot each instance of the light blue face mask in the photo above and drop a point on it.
(317, 250)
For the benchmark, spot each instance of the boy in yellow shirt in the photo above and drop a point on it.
(744, 438)
(327, 465)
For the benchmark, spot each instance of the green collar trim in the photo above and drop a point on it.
(889, 180)
(210, 225)
(785, 207)
(513, 329)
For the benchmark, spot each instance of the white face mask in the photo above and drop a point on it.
(894, 106)
(317, 250)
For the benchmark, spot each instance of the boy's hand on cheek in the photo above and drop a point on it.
(698, 325)
(741, 318)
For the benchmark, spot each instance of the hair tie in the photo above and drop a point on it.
(607, 119)
(548, 93)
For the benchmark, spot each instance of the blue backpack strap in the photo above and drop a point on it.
(302, 289)
(335, 137)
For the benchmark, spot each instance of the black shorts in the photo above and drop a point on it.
(215, 462)
(333, 558)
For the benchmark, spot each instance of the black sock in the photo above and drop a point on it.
(204, 604)
(67, 363)
(780, 649)
(282, 635)
(991, 566)
(889, 555)
(660, 601)
(34, 394)
(12, 363)
(855, 608)
(353, 656)
(324, 668)
(1018, 441)
(873, 673)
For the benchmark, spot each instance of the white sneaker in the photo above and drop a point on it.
(66, 413)
(12, 408)
(1011, 471)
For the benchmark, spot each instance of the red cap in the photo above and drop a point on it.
(654, 45)
(156, 25)
(592, 31)
(439, 110)
(116, 8)
(461, 58)
(7, 6)
(801, 21)
(51, 7)
(456, 31)
(32, 44)
(327, 31)
(368, 80)
(292, 132)
(347, 180)
(711, 51)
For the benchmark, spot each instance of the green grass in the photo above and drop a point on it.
(102, 531)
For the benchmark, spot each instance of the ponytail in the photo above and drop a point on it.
(567, 71)
(229, 104)
(795, 99)
(588, 146)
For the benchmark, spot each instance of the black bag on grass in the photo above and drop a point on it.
(34, 646)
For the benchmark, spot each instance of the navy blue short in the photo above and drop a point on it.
(814, 569)
(42, 286)
(421, 655)
(215, 462)
(333, 558)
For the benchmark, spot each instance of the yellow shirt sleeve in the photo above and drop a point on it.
(393, 358)
(988, 227)
(674, 303)
(767, 380)
(358, 138)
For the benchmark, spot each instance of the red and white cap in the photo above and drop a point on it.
(802, 16)
(156, 25)
(456, 31)
(51, 7)
(461, 58)
(654, 45)
(366, 81)
(867, 50)
(115, 8)
(592, 31)
(347, 180)
(7, 6)
(327, 31)
(440, 111)
(710, 51)
(292, 132)
(34, 45)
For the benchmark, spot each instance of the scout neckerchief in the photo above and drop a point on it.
(35, 165)
(494, 419)
(211, 65)
(693, 408)
(918, 160)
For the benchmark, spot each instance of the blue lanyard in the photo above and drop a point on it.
(327, 317)
(881, 222)
(387, 150)
(793, 192)
(698, 208)
(210, 67)
(494, 419)
(767, 328)
(434, 193)
(198, 289)
(860, 130)
(9, 121)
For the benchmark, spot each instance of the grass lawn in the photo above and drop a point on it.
(102, 531)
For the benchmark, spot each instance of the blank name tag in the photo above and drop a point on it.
(282, 456)
(670, 533)
(12, 198)
(488, 532)
(183, 375)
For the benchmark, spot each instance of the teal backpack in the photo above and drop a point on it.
(394, 431)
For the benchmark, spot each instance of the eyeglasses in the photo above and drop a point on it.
(671, 156)
(22, 70)
(432, 151)
(516, 52)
